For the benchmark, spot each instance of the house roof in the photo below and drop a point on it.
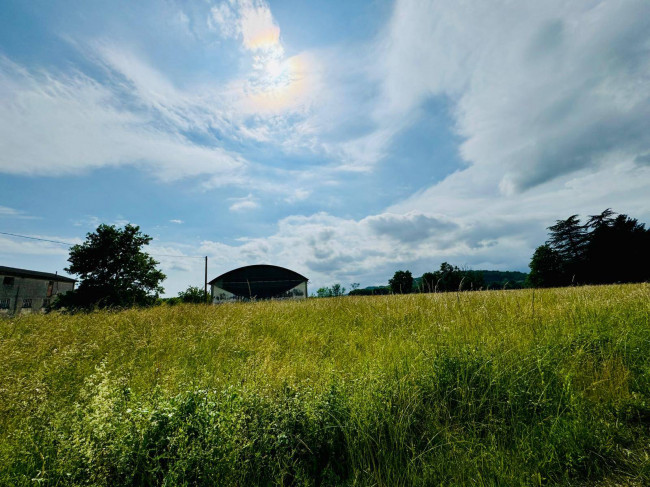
(14, 271)
(261, 281)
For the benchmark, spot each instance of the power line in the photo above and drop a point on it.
(36, 238)
(184, 256)
(69, 244)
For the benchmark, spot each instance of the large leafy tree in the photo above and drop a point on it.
(401, 282)
(113, 270)
(546, 268)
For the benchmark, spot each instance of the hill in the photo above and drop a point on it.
(501, 279)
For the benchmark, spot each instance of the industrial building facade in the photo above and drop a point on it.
(25, 291)
(258, 282)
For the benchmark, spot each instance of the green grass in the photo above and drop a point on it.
(484, 388)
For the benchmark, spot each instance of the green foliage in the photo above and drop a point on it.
(324, 292)
(337, 290)
(527, 387)
(371, 291)
(504, 279)
(193, 294)
(546, 268)
(451, 278)
(401, 282)
(606, 249)
(330, 292)
(113, 270)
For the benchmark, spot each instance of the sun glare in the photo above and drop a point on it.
(279, 83)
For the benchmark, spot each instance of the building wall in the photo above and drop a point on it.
(219, 294)
(298, 292)
(39, 291)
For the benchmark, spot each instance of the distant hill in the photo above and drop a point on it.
(499, 279)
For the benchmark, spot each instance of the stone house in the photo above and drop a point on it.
(25, 291)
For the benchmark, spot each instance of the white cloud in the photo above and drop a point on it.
(176, 221)
(7, 212)
(245, 203)
(251, 20)
(297, 196)
(37, 244)
(54, 125)
(540, 89)
(327, 249)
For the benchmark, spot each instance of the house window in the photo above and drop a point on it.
(27, 302)
(8, 281)
(4, 303)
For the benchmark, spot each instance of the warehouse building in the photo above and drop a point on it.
(258, 282)
(25, 291)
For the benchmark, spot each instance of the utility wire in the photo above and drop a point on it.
(36, 238)
(69, 244)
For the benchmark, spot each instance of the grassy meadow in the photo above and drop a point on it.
(484, 388)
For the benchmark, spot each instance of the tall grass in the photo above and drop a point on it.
(483, 388)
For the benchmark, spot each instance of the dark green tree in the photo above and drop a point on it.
(569, 238)
(193, 294)
(113, 270)
(337, 290)
(452, 278)
(401, 282)
(618, 250)
(607, 249)
(546, 268)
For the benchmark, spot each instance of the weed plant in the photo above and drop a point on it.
(483, 388)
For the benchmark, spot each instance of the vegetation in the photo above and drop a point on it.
(451, 278)
(193, 294)
(606, 249)
(113, 269)
(401, 282)
(370, 291)
(527, 387)
(504, 279)
(331, 292)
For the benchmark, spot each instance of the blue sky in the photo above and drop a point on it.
(344, 140)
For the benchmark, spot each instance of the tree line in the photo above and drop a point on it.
(114, 270)
(607, 248)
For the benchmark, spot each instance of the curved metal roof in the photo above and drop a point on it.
(260, 281)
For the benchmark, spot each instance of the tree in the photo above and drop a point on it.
(569, 238)
(337, 290)
(324, 292)
(113, 270)
(618, 250)
(606, 249)
(331, 292)
(401, 282)
(193, 294)
(452, 278)
(546, 268)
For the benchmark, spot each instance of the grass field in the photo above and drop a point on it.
(483, 388)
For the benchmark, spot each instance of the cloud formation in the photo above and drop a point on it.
(540, 89)
(53, 125)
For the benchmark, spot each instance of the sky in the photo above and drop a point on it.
(343, 140)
